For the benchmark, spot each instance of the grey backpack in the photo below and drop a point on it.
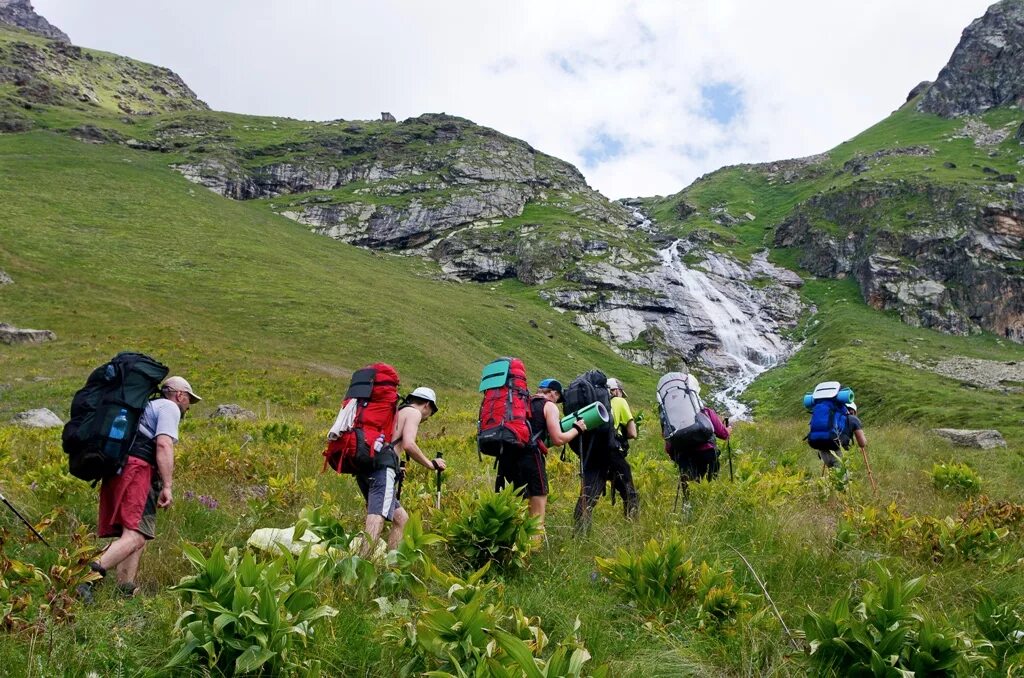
(683, 421)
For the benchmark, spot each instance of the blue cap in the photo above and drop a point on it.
(552, 385)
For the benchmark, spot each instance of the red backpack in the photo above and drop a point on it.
(373, 395)
(505, 410)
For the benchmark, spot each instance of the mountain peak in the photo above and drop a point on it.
(987, 67)
(21, 14)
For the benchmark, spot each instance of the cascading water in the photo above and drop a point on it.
(748, 344)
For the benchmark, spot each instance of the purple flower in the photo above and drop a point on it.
(208, 502)
(33, 486)
(189, 494)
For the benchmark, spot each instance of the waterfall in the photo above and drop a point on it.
(748, 344)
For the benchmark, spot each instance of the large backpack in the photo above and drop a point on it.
(683, 421)
(504, 420)
(590, 387)
(105, 414)
(829, 419)
(369, 408)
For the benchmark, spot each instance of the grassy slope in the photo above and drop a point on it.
(258, 311)
(111, 249)
(748, 188)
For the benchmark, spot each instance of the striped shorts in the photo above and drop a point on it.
(380, 490)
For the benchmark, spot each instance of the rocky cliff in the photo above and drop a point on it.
(924, 212)
(20, 14)
(484, 205)
(955, 267)
(987, 67)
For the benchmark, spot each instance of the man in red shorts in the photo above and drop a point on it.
(128, 501)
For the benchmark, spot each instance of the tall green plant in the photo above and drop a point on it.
(248, 616)
(661, 577)
(884, 635)
(470, 632)
(493, 528)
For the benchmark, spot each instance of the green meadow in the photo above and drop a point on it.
(112, 250)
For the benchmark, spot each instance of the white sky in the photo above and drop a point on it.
(620, 89)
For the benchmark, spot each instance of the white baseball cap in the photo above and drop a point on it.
(424, 393)
(614, 383)
(852, 406)
(179, 384)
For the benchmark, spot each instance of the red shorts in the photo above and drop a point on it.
(129, 501)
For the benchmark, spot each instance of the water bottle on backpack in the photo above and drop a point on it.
(115, 439)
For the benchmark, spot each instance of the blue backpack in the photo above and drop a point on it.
(829, 419)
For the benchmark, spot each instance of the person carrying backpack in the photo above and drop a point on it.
(698, 460)
(525, 467)
(129, 500)
(853, 430)
(380, 486)
(619, 471)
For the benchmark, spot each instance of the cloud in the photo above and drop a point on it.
(643, 96)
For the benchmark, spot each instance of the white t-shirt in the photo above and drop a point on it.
(161, 417)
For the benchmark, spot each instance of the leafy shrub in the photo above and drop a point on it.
(662, 577)
(1002, 626)
(403, 570)
(934, 539)
(883, 635)
(493, 528)
(30, 596)
(956, 478)
(469, 633)
(999, 513)
(248, 616)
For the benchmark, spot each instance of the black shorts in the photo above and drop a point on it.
(523, 468)
(698, 464)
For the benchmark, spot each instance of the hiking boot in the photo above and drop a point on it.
(127, 589)
(84, 591)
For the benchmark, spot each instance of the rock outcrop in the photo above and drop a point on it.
(5, 279)
(20, 13)
(983, 439)
(233, 412)
(40, 418)
(987, 67)
(61, 74)
(708, 314)
(12, 335)
(951, 265)
(483, 205)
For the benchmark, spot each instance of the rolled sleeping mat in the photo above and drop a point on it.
(593, 415)
(808, 401)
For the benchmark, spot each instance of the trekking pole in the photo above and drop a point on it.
(728, 448)
(871, 476)
(437, 501)
(765, 591)
(27, 524)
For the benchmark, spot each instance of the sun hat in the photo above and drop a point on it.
(424, 393)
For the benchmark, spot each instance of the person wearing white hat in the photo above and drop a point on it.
(380, 488)
(129, 500)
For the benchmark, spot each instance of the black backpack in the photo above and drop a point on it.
(105, 414)
(590, 387)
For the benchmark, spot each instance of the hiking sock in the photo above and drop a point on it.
(96, 567)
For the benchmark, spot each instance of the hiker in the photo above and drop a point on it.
(382, 486)
(128, 500)
(698, 461)
(527, 468)
(619, 471)
(854, 430)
